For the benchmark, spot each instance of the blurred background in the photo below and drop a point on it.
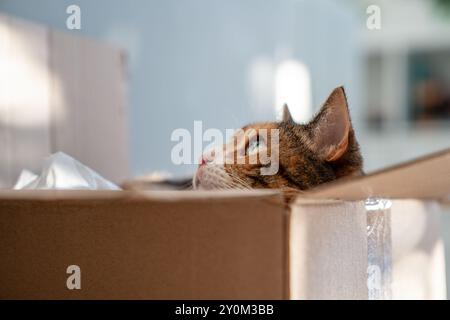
(228, 63)
(232, 62)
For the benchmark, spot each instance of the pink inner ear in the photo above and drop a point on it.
(333, 127)
(337, 152)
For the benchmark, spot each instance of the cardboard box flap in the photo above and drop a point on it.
(427, 177)
(172, 196)
(149, 245)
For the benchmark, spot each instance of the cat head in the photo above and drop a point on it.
(286, 154)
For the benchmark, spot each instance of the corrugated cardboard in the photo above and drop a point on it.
(89, 115)
(328, 251)
(60, 92)
(24, 97)
(160, 246)
(424, 178)
(418, 263)
(221, 245)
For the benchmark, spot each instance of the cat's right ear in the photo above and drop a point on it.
(286, 114)
(330, 129)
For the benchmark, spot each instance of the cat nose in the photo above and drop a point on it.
(206, 158)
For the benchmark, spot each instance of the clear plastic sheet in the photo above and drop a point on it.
(379, 268)
(61, 171)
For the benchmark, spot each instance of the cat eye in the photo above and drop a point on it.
(253, 146)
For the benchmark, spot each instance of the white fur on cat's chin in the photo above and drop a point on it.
(214, 176)
(211, 176)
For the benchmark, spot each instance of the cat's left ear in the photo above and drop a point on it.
(286, 114)
(330, 129)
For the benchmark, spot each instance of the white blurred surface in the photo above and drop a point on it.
(60, 171)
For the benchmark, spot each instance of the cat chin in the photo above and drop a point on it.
(211, 177)
(201, 187)
(197, 183)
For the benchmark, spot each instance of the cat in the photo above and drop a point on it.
(321, 151)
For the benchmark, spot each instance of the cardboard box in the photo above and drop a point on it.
(331, 243)
(48, 104)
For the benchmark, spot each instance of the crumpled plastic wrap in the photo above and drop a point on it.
(379, 248)
(60, 171)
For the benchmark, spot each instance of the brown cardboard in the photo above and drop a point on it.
(60, 92)
(218, 245)
(87, 123)
(328, 251)
(183, 245)
(424, 178)
(137, 247)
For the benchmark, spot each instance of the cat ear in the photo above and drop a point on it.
(331, 127)
(286, 114)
